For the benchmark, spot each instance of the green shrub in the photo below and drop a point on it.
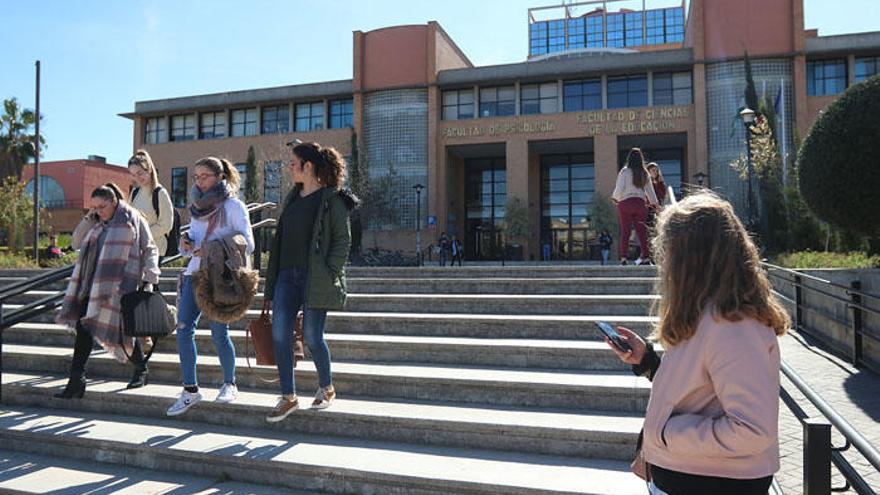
(823, 259)
(11, 260)
(838, 176)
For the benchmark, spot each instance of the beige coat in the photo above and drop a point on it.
(714, 403)
(161, 224)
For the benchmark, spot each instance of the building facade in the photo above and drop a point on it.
(551, 131)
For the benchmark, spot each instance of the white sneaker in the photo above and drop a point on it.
(183, 403)
(228, 393)
(639, 262)
(324, 397)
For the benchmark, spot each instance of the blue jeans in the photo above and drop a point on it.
(290, 295)
(605, 254)
(188, 314)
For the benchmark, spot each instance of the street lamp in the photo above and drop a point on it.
(418, 188)
(700, 177)
(748, 118)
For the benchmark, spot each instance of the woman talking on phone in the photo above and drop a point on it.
(712, 419)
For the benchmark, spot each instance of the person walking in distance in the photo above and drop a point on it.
(455, 247)
(605, 241)
(632, 187)
(443, 245)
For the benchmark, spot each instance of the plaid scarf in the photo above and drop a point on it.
(117, 270)
(208, 205)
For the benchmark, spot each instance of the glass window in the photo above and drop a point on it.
(672, 88)
(244, 122)
(826, 77)
(866, 67)
(577, 31)
(310, 116)
(674, 24)
(582, 95)
(614, 27)
(654, 23)
(178, 187)
(154, 131)
(498, 101)
(567, 186)
(538, 98)
(242, 186)
(272, 182)
(276, 120)
(213, 125)
(341, 113)
(556, 40)
(538, 38)
(627, 91)
(183, 127)
(633, 22)
(595, 32)
(458, 104)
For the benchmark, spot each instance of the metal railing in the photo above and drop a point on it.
(50, 302)
(819, 454)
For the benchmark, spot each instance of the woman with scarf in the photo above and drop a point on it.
(215, 212)
(116, 255)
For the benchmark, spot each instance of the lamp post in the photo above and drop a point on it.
(36, 145)
(418, 188)
(748, 118)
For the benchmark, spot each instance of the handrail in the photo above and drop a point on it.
(849, 290)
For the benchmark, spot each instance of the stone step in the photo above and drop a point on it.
(580, 327)
(534, 270)
(616, 391)
(33, 474)
(512, 353)
(320, 463)
(533, 430)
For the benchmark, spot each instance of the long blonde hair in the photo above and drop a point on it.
(222, 166)
(706, 257)
(142, 159)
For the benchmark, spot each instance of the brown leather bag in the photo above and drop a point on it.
(260, 330)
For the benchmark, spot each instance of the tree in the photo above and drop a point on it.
(16, 142)
(516, 221)
(836, 171)
(17, 212)
(252, 190)
(603, 214)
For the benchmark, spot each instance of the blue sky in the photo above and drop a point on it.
(100, 56)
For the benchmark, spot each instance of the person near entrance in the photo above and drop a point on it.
(443, 246)
(633, 186)
(546, 250)
(455, 246)
(605, 242)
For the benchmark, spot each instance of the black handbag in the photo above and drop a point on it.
(146, 314)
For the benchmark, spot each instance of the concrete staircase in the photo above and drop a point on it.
(474, 380)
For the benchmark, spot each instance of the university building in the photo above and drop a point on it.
(597, 79)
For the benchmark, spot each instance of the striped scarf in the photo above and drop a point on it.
(117, 271)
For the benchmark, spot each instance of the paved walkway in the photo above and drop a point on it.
(853, 393)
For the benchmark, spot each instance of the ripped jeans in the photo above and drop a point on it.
(188, 314)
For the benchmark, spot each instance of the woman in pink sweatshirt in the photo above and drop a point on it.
(711, 423)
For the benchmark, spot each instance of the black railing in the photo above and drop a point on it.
(50, 302)
(819, 454)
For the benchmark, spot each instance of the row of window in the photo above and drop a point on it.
(670, 88)
(829, 77)
(623, 29)
(244, 122)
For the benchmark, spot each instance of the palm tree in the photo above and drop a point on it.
(16, 142)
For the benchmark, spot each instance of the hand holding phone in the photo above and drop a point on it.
(637, 346)
(613, 336)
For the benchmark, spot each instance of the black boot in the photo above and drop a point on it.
(139, 378)
(76, 387)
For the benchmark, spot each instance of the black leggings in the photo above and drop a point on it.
(676, 483)
(82, 349)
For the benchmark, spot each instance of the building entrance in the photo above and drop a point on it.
(486, 202)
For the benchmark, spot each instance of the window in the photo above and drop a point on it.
(458, 104)
(341, 113)
(567, 187)
(272, 182)
(627, 91)
(556, 39)
(614, 28)
(244, 122)
(595, 32)
(242, 185)
(276, 120)
(213, 125)
(183, 127)
(672, 88)
(577, 33)
(51, 193)
(866, 67)
(654, 23)
(826, 77)
(633, 22)
(674, 24)
(538, 38)
(582, 95)
(154, 131)
(310, 116)
(497, 102)
(178, 187)
(538, 98)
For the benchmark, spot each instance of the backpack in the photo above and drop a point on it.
(173, 236)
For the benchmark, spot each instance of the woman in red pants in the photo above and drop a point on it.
(633, 187)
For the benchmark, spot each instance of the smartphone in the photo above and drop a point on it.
(613, 336)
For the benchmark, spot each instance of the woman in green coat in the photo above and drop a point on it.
(307, 267)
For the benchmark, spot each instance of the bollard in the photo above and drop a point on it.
(856, 323)
(817, 457)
